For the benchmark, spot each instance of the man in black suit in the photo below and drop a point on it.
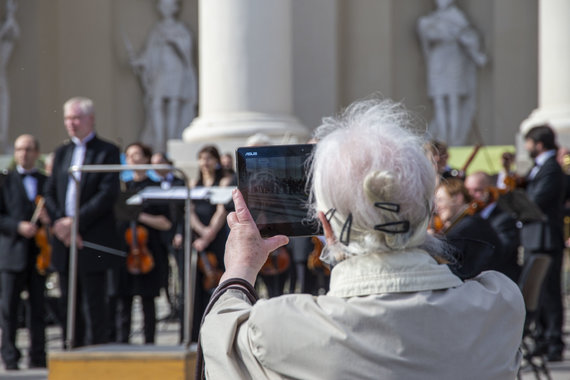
(18, 252)
(479, 185)
(98, 193)
(545, 187)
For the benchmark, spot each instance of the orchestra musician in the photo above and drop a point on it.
(143, 281)
(440, 154)
(18, 253)
(96, 219)
(480, 187)
(545, 186)
(167, 179)
(465, 230)
(209, 230)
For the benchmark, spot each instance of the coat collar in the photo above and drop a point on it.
(394, 272)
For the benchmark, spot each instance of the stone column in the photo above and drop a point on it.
(245, 73)
(554, 70)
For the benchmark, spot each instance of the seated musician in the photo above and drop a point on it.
(480, 187)
(477, 246)
(392, 311)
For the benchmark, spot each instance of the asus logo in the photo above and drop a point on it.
(250, 154)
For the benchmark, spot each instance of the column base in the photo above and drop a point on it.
(558, 117)
(282, 129)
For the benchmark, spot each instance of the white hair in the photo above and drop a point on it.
(84, 104)
(369, 154)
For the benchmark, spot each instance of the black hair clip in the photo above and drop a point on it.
(329, 214)
(400, 227)
(345, 232)
(388, 206)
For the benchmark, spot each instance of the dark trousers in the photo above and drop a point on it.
(90, 310)
(551, 315)
(12, 284)
(124, 312)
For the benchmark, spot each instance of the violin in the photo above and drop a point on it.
(471, 208)
(208, 265)
(277, 262)
(314, 262)
(436, 224)
(139, 259)
(512, 180)
(43, 260)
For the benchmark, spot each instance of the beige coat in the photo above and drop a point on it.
(387, 316)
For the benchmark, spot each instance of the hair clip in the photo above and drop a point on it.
(400, 227)
(388, 206)
(345, 232)
(329, 214)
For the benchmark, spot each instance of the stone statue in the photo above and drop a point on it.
(168, 77)
(9, 32)
(452, 51)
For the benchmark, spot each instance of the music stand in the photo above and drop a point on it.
(518, 204)
(189, 270)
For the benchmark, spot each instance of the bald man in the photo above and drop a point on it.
(506, 226)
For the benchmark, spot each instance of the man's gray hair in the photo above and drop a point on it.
(85, 105)
(368, 160)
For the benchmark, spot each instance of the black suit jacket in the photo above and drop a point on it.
(547, 190)
(508, 232)
(478, 248)
(16, 251)
(98, 193)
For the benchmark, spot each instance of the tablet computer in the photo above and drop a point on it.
(273, 181)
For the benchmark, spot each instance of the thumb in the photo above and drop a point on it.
(274, 242)
(242, 213)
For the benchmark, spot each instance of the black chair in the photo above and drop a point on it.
(530, 283)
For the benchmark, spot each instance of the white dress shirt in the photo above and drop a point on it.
(30, 182)
(76, 159)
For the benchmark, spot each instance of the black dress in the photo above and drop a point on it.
(205, 211)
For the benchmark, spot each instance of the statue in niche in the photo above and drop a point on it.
(452, 51)
(9, 32)
(165, 68)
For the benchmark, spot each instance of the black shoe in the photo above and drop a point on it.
(11, 366)
(38, 364)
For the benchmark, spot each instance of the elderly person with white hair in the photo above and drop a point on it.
(394, 309)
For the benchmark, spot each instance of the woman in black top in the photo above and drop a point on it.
(154, 219)
(209, 228)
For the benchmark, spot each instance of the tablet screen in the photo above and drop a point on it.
(273, 182)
